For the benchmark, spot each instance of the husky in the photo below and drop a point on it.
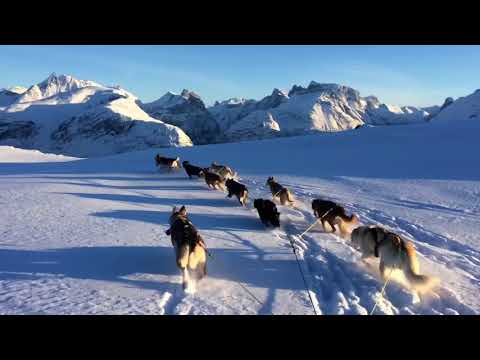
(190, 253)
(279, 191)
(169, 163)
(237, 189)
(333, 214)
(394, 252)
(267, 210)
(214, 181)
(223, 171)
(192, 170)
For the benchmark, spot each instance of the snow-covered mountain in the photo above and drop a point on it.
(464, 108)
(256, 125)
(186, 111)
(318, 107)
(9, 96)
(82, 118)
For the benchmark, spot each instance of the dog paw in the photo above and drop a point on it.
(190, 288)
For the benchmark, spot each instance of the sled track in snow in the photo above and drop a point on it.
(346, 285)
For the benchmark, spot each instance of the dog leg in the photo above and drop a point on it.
(203, 269)
(185, 278)
(332, 229)
(332, 226)
(382, 270)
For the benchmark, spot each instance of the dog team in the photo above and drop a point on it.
(393, 251)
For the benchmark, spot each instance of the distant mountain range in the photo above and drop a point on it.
(83, 118)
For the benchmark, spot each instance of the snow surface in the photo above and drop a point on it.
(464, 108)
(87, 236)
(10, 154)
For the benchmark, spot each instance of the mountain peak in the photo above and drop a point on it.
(278, 92)
(54, 84)
(187, 94)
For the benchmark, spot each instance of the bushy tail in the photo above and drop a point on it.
(421, 283)
(344, 228)
(245, 198)
(345, 223)
(290, 197)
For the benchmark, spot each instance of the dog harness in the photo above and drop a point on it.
(377, 243)
(327, 212)
(193, 233)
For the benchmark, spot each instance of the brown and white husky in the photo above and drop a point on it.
(280, 191)
(169, 163)
(394, 253)
(331, 213)
(223, 170)
(214, 180)
(189, 248)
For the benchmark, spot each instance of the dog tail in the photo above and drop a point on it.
(344, 222)
(421, 283)
(352, 219)
(290, 197)
(245, 198)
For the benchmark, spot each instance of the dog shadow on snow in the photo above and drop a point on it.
(117, 263)
(202, 221)
(155, 200)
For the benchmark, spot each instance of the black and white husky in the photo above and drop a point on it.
(237, 189)
(193, 170)
(168, 163)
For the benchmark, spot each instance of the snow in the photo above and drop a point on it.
(83, 118)
(465, 108)
(86, 236)
(10, 154)
(54, 85)
(256, 125)
(188, 112)
(316, 108)
(33, 118)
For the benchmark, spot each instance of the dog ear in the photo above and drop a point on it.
(183, 211)
(174, 210)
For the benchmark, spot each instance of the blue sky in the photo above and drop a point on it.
(402, 75)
